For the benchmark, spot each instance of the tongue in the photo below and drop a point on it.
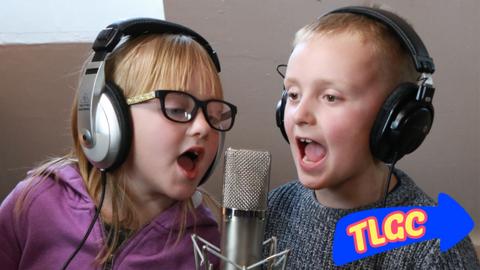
(186, 163)
(314, 152)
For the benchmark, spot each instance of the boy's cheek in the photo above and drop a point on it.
(288, 124)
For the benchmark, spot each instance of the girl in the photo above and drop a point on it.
(149, 204)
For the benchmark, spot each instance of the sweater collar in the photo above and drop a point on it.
(398, 196)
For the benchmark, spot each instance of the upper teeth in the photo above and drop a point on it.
(305, 140)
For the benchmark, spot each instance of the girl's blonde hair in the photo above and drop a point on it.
(139, 65)
(395, 61)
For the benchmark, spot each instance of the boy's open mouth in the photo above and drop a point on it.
(310, 150)
(188, 159)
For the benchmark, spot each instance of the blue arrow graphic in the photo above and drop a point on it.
(448, 221)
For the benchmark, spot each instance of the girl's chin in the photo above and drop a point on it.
(183, 195)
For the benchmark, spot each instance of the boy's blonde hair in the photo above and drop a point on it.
(394, 60)
(138, 66)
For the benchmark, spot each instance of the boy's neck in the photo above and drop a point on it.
(357, 192)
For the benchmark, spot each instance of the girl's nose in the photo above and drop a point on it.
(200, 126)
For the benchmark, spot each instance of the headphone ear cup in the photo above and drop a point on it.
(414, 123)
(280, 113)
(401, 124)
(120, 130)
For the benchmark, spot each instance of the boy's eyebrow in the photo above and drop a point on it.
(290, 80)
(316, 83)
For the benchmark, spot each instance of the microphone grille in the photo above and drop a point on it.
(246, 179)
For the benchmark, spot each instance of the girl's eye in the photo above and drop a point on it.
(175, 111)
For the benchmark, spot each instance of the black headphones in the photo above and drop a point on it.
(104, 121)
(406, 116)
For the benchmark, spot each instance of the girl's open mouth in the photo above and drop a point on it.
(188, 161)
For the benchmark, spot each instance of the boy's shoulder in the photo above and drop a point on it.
(408, 193)
(288, 192)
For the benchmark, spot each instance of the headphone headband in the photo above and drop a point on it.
(109, 38)
(412, 42)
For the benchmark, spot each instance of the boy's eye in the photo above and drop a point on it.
(292, 95)
(330, 98)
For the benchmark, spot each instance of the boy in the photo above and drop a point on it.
(342, 69)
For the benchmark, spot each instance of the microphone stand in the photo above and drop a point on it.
(202, 248)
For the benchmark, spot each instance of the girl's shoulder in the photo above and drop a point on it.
(53, 186)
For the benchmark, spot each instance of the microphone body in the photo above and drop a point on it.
(247, 176)
(242, 235)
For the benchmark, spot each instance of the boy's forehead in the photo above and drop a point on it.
(343, 49)
(340, 59)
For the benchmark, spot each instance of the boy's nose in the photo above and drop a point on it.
(303, 113)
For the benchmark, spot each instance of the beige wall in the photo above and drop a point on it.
(252, 37)
(37, 85)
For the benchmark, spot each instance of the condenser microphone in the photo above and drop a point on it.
(245, 188)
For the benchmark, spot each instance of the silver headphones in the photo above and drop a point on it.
(104, 121)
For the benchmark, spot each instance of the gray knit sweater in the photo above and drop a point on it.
(307, 228)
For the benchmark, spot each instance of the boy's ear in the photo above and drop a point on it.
(401, 125)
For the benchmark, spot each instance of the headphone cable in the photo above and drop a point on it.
(389, 178)
(90, 227)
(385, 193)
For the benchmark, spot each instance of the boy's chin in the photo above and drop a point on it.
(313, 183)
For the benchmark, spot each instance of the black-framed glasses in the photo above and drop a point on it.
(182, 107)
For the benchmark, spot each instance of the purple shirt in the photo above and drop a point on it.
(56, 217)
